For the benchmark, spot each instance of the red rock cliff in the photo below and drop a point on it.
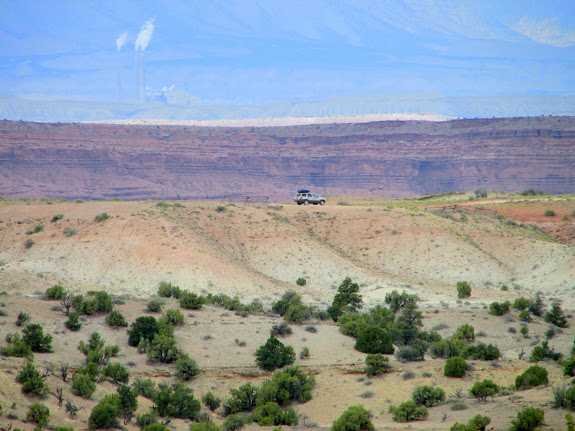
(94, 161)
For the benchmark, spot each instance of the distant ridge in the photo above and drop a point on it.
(283, 121)
(54, 110)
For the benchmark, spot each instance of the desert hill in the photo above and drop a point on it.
(383, 158)
(257, 251)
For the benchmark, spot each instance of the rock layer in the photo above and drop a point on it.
(392, 158)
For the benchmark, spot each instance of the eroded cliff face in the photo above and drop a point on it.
(394, 159)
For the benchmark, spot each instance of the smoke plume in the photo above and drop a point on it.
(121, 41)
(145, 35)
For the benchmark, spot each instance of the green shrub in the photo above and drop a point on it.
(376, 364)
(234, 423)
(155, 426)
(35, 338)
(286, 385)
(447, 348)
(172, 317)
(281, 330)
(481, 351)
(527, 419)
(482, 390)
(16, 347)
(301, 281)
(406, 330)
(374, 339)
(29, 243)
(304, 354)
(465, 332)
(145, 420)
(274, 354)
(96, 302)
(186, 368)
(154, 307)
(176, 401)
(144, 327)
(408, 411)
(346, 300)
(549, 213)
(478, 423)
(69, 231)
(521, 303)
(211, 401)
(428, 396)
(117, 373)
(455, 367)
(569, 367)
(145, 388)
(463, 289)
(524, 316)
(410, 353)
(499, 308)
(242, 399)
(569, 402)
(128, 402)
(82, 385)
(536, 305)
(101, 217)
(167, 290)
(190, 301)
(55, 292)
(22, 319)
(162, 348)
(458, 405)
(57, 217)
(116, 319)
(540, 353)
(556, 316)
(39, 414)
(73, 323)
(355, 418)
(533, 376)
(29, 378)
(104, 415)
(397, 301)
(203, 426)
(270, 414)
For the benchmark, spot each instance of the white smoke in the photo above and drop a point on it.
(121, 41)
(145, 35)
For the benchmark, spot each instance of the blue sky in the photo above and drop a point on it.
(250, 52)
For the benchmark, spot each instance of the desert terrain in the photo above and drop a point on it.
(257, 252)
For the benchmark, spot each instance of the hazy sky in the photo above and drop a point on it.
(251, 51)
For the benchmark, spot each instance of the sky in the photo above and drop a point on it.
(264, 51)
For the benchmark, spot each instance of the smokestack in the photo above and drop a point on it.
(142, 42)
(120, 42)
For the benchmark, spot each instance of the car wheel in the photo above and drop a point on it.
(321, 202)
(305, 202)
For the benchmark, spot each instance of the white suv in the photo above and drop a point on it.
(306, 198)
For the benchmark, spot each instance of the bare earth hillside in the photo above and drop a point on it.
(257, 252)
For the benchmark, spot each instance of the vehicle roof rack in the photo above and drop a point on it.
(303, 191)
